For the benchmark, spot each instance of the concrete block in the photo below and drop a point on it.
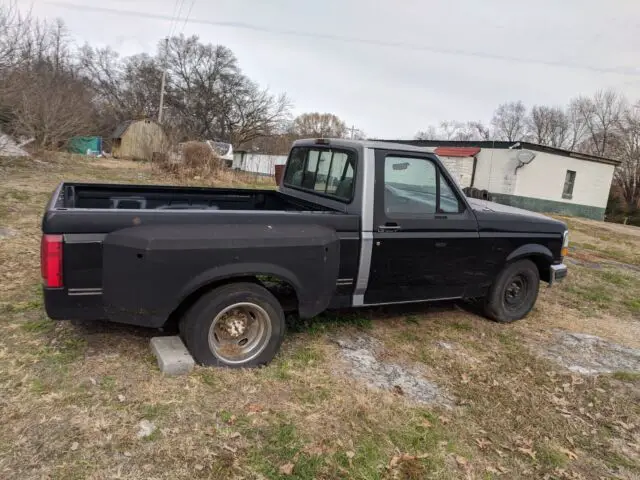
(173, 357)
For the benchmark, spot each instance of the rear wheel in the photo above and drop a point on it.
(236, 325)
(514, 293)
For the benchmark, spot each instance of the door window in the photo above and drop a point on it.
(414, 186)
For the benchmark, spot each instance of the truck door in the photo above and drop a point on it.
(425, 238)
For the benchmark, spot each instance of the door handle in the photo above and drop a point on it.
(389, 228)
(441, 244)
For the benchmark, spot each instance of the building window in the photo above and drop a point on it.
(569, 181)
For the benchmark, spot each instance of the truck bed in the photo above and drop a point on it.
(87, 215)
(156, 197)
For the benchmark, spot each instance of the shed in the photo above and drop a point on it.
(530, 176)
(138, 140)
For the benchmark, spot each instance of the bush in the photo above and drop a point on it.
(194, 159)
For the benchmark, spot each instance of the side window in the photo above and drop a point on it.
(409, 186)
(569, 181)
(324, 171)
(413, 186)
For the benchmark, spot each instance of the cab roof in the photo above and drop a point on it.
(342, 142)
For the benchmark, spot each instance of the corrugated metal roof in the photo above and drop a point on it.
(457, 151)
(120, 129)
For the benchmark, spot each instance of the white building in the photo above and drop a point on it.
(530, 176)
(257, 162)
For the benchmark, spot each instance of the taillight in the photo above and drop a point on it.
(51, 261)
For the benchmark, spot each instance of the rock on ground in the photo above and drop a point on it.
(145, 428)
(359, 354)
(590, 355)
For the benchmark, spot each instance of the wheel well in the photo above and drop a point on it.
(280, 288)
(542, 263)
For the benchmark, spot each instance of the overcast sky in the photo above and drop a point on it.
(415, 63)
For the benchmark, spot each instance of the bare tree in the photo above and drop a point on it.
(316, 124)
(509, 121)
(626, 145)
(431, 133)
(51, 108)
(548, 126)
(480, 130)
(577, 124)
(601, 114)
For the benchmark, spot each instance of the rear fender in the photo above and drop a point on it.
(148, 271)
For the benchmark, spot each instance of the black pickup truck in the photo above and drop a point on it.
(352, 224)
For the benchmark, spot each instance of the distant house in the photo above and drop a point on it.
(138, 140)
(530, 176)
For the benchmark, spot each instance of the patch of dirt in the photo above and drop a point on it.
(590, 355)
(6, 232)
(360, 355)
(585, 261)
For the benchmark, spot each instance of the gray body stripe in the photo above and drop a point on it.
(402, 234)
(366, 243)
(84, 291)
(84, 237)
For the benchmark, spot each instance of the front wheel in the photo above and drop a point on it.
(514, 293)
(236, 325)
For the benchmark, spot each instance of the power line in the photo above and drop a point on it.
(173, 16)
(186, 19)
(628, 71)
(177, 19)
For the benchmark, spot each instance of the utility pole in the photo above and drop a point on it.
(164, 79)
(353, 129)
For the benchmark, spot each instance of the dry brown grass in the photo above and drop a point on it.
(71, 396)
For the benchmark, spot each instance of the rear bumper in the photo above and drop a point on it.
(557, 273)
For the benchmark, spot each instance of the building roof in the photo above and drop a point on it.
(457, 151)
(120, 129)
(505, 145)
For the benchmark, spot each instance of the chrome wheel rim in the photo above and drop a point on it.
(239, 333)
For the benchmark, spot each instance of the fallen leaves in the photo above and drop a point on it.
(568, 453)
(483, 443)
(286, 469)
(527, 451)
(405, 457)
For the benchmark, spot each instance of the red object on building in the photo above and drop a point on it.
(457, 151)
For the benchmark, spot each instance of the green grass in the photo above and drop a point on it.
(152, 411)
(633, 305)
(550, 457)
(108, 383)
(21, 307)
(626, 376)
(64, 353)
(329, 322)
(307, 355)
(615, 278)
(596, 294)
(38, 326)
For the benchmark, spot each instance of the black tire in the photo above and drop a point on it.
(514, 293)
(257, 305)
